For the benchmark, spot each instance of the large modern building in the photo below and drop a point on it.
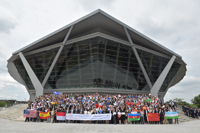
(96, 53)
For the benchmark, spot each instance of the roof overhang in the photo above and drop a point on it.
(97, 21)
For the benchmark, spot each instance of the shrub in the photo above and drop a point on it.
(2, 103)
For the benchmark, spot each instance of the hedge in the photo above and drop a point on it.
(2, 103)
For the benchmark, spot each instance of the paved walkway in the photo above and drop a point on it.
(31, 127)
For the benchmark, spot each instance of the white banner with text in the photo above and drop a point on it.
(88, 117)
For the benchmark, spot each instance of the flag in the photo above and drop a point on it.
(44, 115)
(33, 113)
(153, 116)
(133, 117)
(97, 106)
(30, 113)
(60, 115)
(26, 113)
(52, 103)
(171, 115)
(148, 100)
(56, 93)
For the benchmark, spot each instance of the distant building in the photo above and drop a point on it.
(96, 53)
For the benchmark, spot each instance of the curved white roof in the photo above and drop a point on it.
(93, 22)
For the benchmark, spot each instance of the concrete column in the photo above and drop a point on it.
(161, 97)
(56, 58)
(32, 96)
(138, 59)
(36, 83)
(156, 87)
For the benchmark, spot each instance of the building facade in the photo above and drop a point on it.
(96, 53)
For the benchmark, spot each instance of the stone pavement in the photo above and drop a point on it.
(7, 126)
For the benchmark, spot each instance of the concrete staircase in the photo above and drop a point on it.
(183, 117)
(13, 113)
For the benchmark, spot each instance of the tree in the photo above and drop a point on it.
(196, 101)
(180, 101)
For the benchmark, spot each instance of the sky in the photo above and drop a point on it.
(174, 24)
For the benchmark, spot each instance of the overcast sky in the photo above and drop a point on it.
(174, 24)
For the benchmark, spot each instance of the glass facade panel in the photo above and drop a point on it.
(153, 64)
(22, 71)
(40, 62)
(172, 72)
(97, 62)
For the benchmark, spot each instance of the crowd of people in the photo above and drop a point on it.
(119, 106)
(191, 111)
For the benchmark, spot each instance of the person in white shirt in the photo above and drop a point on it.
(85, 113)
(89, 113)
(119, 116)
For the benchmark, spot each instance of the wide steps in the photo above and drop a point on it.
(13, 113)
(184, 118)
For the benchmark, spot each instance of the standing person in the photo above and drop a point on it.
(156, 111)
(126, 115)
(48, 119)
(27, 118)
(85, 113)
(54, 119)
(81, 112)
(165, 120)
(176, 119)
(94, 112)
(42, 110)
(142, 117)
(72, 112)
(170, 120)
(123, 115)
(89, 113)
(38, 110)
(161, 114)
(119, 116)
(32, 108)
(67, 112)
(196, 113)
(76, 111)
(114, 116)
(52, 115)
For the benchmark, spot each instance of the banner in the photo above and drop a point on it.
(153, 116)
(30, 113)
(56, 93)
(88, 117)
(133, 117)
(44, 115)
(60, 115)
(171, 115)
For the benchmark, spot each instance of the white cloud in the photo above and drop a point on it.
(186, 89)
(7, 20)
